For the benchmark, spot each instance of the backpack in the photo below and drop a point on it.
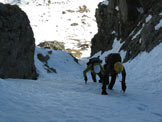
(94, 60)
(112, 58)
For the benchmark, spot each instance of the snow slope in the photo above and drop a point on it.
(64, 97)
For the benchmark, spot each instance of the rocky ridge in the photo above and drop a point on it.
(136, 23)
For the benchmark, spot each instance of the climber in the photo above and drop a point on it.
(94, 65)
(113, 67)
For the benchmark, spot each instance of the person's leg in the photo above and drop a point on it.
(104, 88)
(104, 83)
(111, 85)
(93, 76)
(101, 77)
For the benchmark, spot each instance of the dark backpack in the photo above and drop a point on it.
(112, 58)
(94, 60)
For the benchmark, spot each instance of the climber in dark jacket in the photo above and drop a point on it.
(95, 67)
(113, 67)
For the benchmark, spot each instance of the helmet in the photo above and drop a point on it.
(118, 67)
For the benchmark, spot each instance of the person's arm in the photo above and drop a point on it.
(85, 72)
(123, 80)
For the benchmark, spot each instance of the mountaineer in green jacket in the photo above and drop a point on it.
(95, 67)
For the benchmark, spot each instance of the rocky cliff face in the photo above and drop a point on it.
(17, 44)
(132, 22)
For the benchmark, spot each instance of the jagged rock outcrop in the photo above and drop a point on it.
(132, 22)
(44, 60)
(17, 44)
(55, 45)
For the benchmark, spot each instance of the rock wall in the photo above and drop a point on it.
(17, 44)
(131, 22)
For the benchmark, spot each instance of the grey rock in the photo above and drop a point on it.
(124, 23)
(17, 44)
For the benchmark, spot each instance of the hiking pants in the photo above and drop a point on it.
(113, 79)
(94, 77)
(106, 81)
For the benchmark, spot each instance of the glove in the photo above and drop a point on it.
(85, 79)
(124, 86)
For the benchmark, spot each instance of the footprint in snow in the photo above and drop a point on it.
(157, 114)
(142, 107)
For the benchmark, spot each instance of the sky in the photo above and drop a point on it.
(64, 96)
